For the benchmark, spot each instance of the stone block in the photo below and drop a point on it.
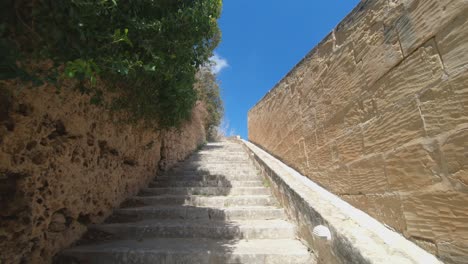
(455, 150)
(419, 71)
(395, 127)
(310, 140)
(351, 145)
(310, 87)
(365, 176)
(445, 105)
(436, 216)
(325, 48)
(453, 251)
(338, 179)
(453, 44)
(343, 82)
(413, 167)
(295, 157)
(322, 156)
(367, 14)
(375, 40)
(340, 122)
(307, 104)
(320, 133)
(384, 207)
(302, 158)
(422, 19)
(380, 51)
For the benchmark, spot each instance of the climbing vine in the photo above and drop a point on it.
(147, 50)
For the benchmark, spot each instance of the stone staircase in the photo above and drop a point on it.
(211, 208)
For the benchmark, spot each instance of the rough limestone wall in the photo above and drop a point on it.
(378, 113)
(65, 164)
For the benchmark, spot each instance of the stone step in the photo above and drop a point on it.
(216, 160)
(178, 250)
(220, 156)
(252, 229)
(213, 170)
(209, 191)
(192, 213)
(211, 208)
(217, 157)
(219, 183)
(225, 152)
(205, 201)
(195, 166)
(194, 176)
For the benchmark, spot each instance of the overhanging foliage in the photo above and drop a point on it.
(149, 50)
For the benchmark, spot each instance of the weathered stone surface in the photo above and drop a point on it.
(323, 156)
(365, 176)
(438, 216)
(411, 167)
(57, 223)
(445, 105)
(453, 252)
(370, 28)
(398, 125)
(455, 149)
(67, 164)
(422, 19)
(452, 43)
(419, 71)
(391, 81)
(384, 207)
(351, 145)
(343, 83)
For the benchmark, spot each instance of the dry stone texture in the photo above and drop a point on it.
(65, 164)
(378, 113)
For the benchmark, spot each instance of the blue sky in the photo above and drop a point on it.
(262, 40)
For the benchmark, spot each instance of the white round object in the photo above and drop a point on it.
(322, 232)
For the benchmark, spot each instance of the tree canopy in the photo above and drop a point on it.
(148, 50)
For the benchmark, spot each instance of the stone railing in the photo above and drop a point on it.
(355, 237)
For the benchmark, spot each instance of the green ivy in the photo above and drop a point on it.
(147, 50)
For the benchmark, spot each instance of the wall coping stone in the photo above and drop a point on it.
(356, 236)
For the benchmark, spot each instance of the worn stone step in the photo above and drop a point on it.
(218, 183)
(217, 155)
(211, 208)
(221, 172)
(203, 165)
(221, 169)
(201, 213)
(207, 176)
(228, 152)
(203, 176)
(205, 201)
(177, 250)
(216, 159)
(251, 229)
(209, 191)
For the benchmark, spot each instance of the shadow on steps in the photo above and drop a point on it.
(202, 211)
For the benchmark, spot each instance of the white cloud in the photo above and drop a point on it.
(218, 63)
